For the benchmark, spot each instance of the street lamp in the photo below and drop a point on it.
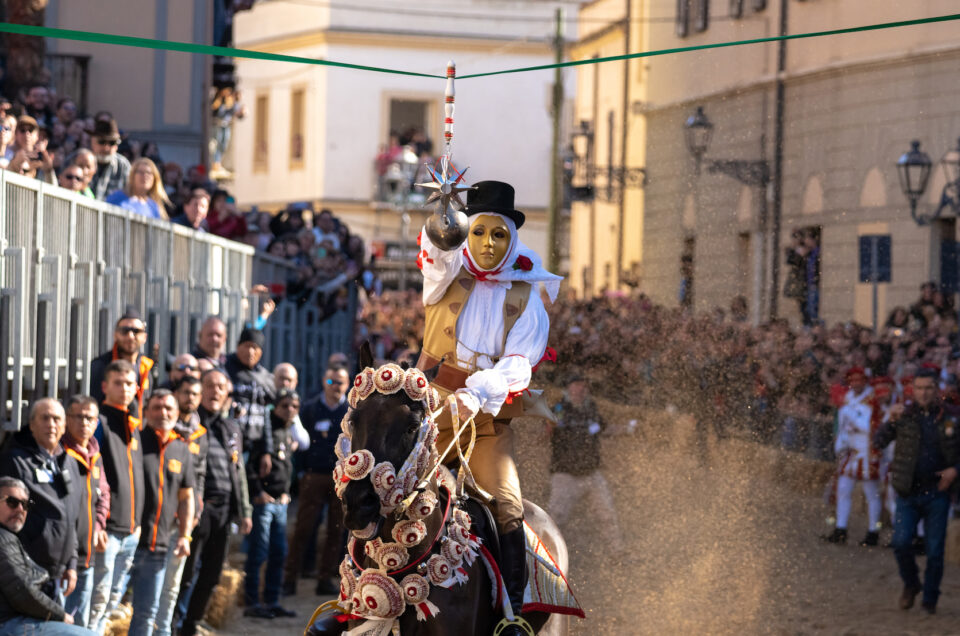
(913, 168)
(698, 130)
(399, 179)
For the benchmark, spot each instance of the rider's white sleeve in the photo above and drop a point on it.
(525, 345)
(439, 268)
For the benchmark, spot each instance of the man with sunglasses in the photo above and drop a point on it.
(129, 336)
(183, 365)
(24, 607)
(36, 458)
(113, 169)
(72, 178)
(321, 416)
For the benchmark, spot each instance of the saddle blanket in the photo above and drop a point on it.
(547, 587)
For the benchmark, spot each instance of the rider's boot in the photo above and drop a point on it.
(513, 569)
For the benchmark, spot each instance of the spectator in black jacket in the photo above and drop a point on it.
(24, 607)
(129, 335)
(36, 458)
(122, 452)
(78, 441)
(253, 392)
(211, 342)
(321, 417)
(191, 431)
(271, 495)
(168, 497)
(226, 499)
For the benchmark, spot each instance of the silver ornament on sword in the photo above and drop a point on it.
(447, 227)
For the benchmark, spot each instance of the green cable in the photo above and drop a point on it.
(187, 47)
(205, 49)
(718, 45)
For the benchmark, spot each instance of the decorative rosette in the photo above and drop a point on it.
(452, 551)
(348, 580)
(380, 595)
(362, 387)
(461, 517)
(415, 384)
(391, 556)
(388, 379)
(372, 548)
(346, 424)
(358, 465)
(369, 531)
(340, 481)
(409, 533)
(423, 460)
(416, 589)
(389, 503)
(343, 446)
(423, 505)
(438, 569)
(458, 533)
(432, 399)
(410, 480)
(384, 477)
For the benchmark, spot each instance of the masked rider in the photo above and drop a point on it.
(486, 321)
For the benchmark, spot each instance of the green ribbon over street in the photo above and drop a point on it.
(206, 49)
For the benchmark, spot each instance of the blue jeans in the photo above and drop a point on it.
(25, 626)
(168, 593)
(111, 576)
(932, 508)
(148, 570)
(78, 603)
(268, 542)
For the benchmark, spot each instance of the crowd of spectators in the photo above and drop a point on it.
(774, 382)
(44, 136)
(129, 496)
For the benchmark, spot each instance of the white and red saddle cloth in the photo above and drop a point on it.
(547, 587)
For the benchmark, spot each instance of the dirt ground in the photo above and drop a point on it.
(722, 547)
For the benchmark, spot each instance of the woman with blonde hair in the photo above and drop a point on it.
(144, 193)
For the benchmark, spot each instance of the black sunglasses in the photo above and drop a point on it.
(108, 142)
(335, 382)
(186, 367)
(131, 330)
(72, 177)
(13, 503)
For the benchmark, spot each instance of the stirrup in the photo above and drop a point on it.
(518, 621)
(332, 605)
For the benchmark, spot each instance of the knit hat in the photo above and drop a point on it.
(255, 336)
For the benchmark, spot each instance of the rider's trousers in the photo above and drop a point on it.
(492, 465)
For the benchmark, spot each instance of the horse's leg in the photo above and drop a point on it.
(549, 533)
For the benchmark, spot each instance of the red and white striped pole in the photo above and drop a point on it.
(448, 107)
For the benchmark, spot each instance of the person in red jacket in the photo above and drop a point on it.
(223, 219)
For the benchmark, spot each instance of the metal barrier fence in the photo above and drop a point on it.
(70, 264)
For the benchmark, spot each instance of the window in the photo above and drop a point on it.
(701, 19)
(736, 8)
(296, 127)
(759, 5)
(683, 18)
(260, 132)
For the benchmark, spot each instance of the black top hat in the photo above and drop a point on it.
(493, 196)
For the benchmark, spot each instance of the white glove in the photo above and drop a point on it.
(467, 404)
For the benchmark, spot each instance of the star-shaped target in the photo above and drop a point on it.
(446, 185)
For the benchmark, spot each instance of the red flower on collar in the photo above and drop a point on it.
(523, 263)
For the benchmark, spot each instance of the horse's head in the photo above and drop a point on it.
(387, 426)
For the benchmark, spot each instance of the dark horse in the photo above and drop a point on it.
(387, 426)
